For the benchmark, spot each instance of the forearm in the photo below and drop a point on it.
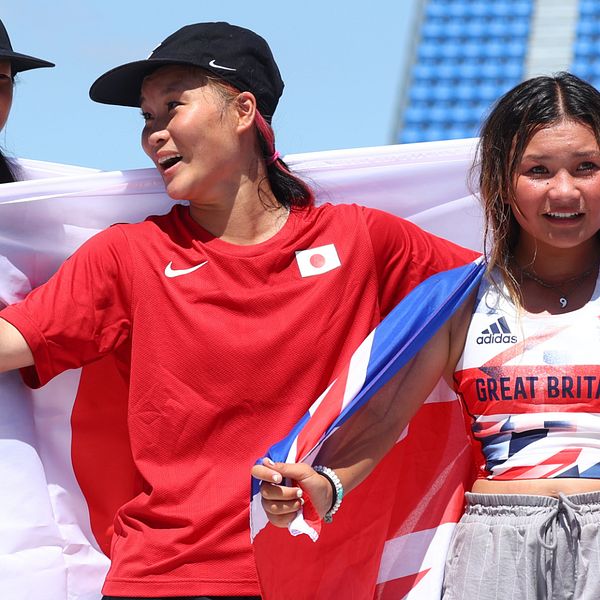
(355, 456)
(14, 351)
(356, 448)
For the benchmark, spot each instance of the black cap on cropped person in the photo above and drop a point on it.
(19, 62)
(236, 55)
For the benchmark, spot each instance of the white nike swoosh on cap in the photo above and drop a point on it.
(213, 64)
(170, 272)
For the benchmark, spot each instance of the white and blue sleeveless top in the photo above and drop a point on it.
(530, 387)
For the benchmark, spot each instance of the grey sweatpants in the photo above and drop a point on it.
(512, 547)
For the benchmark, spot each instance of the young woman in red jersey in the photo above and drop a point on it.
(215, 312)
(523, 357)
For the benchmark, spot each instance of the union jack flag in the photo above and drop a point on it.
(390, 539)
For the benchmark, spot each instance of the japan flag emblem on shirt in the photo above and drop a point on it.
(316, 261)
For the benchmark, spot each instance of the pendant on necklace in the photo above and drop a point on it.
(563, 301)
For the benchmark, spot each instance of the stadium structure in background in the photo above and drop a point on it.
(467, 53)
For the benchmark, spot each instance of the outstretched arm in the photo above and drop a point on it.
(14, 351)
(356, 448)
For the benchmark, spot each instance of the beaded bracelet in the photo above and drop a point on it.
(336, 486)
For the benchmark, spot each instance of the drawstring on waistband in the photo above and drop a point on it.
(565, 510)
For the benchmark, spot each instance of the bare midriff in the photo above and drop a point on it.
(536, 487)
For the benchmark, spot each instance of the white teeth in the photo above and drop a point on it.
(164, 159)
(563, 215)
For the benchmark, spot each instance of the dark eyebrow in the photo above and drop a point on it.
(580, 154)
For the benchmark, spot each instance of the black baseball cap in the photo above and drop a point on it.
(18, 62)
(234, 54)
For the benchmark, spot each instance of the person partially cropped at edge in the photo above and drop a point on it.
(11, 63)
(222, 314)
(522, 355)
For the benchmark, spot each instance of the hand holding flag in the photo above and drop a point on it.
(281, 503)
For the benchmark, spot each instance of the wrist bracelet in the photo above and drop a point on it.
(336, 486)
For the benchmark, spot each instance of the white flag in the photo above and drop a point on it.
(51, 531)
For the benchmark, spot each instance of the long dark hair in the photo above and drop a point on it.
(289, 189)
(6, 173)
(517, 116)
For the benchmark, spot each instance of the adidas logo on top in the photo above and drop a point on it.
(497, 333)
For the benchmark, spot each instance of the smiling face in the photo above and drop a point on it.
(6, 91)
(191, 133)
(557, 190)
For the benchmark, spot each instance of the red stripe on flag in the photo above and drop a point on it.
(100, 449)
(326, 413)
(437, 468)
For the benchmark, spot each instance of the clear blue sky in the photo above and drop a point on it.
(342, 62)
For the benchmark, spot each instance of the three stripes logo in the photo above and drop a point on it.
(497, 333)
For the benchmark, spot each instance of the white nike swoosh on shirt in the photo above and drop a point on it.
(213, 64)
(170, 272)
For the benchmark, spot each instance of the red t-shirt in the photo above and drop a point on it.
(223, 348)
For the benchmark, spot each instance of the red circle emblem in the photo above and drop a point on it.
(317, 261)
